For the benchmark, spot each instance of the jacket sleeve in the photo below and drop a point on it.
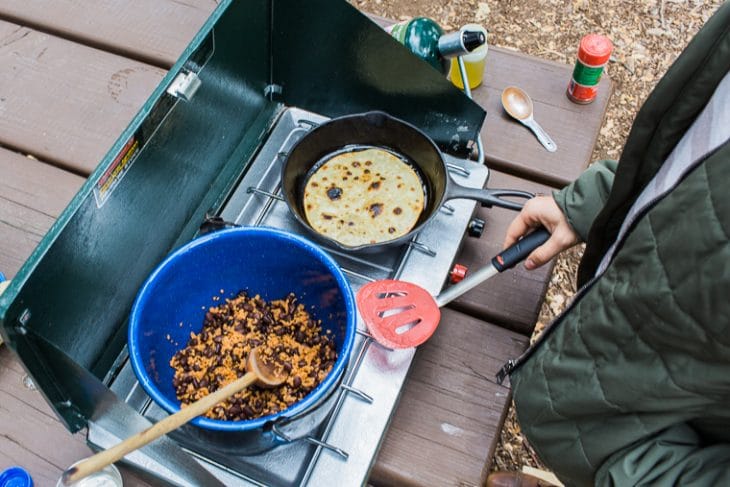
(676, 456)
(582, 199)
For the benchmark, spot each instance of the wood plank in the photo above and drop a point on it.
(511, 299)
(64, 102)
(451, 411)
(511, 147)
(32, 436)
(32, 195)
(151, 31)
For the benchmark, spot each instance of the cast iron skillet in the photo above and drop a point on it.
(378, 129)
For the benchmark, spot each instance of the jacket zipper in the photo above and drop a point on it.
(512, 364)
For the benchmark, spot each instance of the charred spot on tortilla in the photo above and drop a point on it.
(375, 209)
(367, 197)
(334, 193)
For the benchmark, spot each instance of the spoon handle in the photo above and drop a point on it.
(100, 460)
(541, 135)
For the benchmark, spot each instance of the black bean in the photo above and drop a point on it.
(248, 411)
(217, 338)
(287, 366)
(297, 381)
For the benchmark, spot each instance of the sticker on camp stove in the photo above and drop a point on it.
(116, 171)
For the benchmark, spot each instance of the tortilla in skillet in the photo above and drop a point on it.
(364, 197)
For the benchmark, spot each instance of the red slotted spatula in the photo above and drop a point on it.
(401, 314)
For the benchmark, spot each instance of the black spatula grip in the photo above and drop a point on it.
(511, 256)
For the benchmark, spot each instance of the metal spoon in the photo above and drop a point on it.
(258, 371)
(519, 105)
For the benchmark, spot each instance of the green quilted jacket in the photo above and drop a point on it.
(631, 384)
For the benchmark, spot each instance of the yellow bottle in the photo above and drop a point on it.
(474, 62)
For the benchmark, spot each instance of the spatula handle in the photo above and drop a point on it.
(506, 259)
(96, 462)
(511, 256)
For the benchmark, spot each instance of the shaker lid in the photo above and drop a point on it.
(595, 49)
(15, 477)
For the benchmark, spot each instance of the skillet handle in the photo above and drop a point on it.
(488, 197)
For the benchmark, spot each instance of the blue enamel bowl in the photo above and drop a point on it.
(269, 262)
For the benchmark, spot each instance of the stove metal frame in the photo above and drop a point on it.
(345, 446)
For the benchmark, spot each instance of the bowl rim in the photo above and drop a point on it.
(310, 399)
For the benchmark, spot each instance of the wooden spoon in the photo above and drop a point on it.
(519, 105)
(257, 371)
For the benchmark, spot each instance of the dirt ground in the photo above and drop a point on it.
(647, 36)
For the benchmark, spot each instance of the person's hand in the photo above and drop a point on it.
(542, 210)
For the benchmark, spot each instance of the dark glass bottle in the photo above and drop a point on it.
(426, 39)
(421, 36)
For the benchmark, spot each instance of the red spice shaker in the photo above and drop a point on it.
(593, 54)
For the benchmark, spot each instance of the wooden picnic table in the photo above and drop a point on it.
(75, 73)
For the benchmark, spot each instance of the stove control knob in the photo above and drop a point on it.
(476, 227)
(458, 273)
